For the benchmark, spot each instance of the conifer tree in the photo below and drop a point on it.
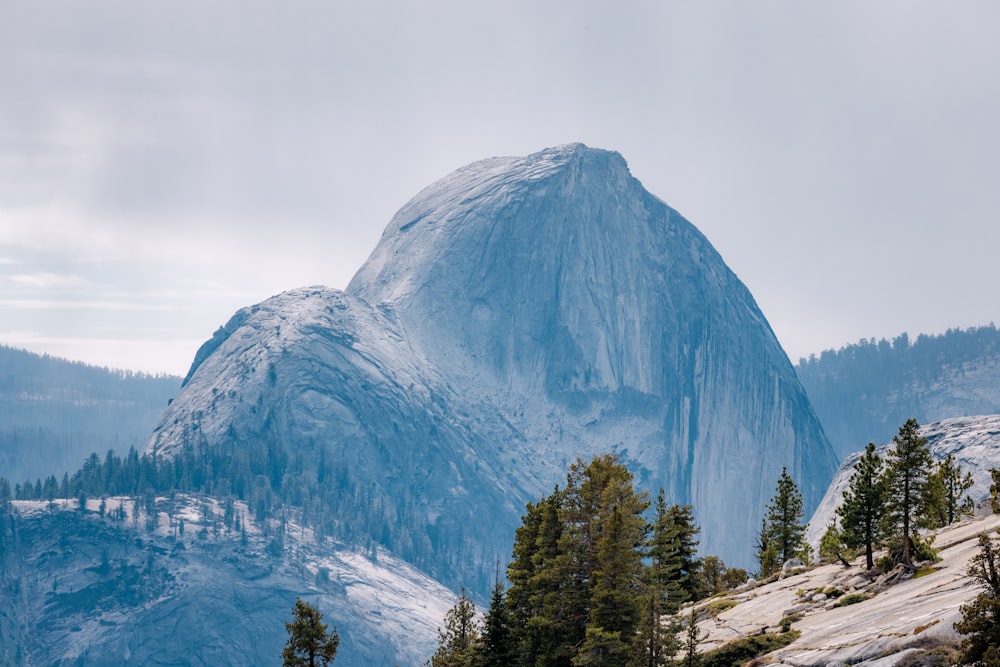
(496, 649)
(783, 534)
(458, 641)
(981, 617)
(954, 502)
(907, 472)
(682, 554)
(864, 505)
(655, 642)
(309, 644)
(692, 638)
(767, 553)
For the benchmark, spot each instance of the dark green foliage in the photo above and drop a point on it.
(947, 493)
(782, 534)
(459, 640)
(852, 598)
(741, 651)
(581, 593)
(863, 508)
(496, 648)
(981, 617)
(831, 545)
(309, 644)
(907, 477)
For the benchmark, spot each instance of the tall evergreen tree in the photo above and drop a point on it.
(309, 644)
(864, 505)
(655, 642)
(907, 473)
(785, 531)
(496, 648)
(682, 554)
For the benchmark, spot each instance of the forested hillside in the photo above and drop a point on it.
(861, 392)
(54, 413)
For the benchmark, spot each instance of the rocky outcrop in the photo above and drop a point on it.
(973, 442)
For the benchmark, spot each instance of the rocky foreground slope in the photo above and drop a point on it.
(891, 618)
(973, 442)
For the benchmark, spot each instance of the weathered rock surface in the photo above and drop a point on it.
(917, 612)
(81, 589)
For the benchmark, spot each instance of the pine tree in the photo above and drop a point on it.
(981, 617)
(655, 642)
(496, 648)
(831, 544)
(682, 554)
(955, 503)
(863, 506)
(784, 531)
(906, 481)
(309, 644)
(767, 553)
(458, 642)
(692, 638)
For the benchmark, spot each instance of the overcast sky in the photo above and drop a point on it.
(163, 164)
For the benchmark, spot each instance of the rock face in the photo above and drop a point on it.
(515, 315)
(178, 587)
(973, 442)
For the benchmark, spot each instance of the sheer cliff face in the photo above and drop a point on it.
(600, 318)
(517, 314)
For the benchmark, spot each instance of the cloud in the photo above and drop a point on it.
(47, 281)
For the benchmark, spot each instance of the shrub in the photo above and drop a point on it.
(852, 598)
(738, 652)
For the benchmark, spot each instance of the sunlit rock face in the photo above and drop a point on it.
(516, 315)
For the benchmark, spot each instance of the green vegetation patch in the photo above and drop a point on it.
(738, 652)
(853, 598)
(716, 607)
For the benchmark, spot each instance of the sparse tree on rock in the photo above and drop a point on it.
(783, 533)
(906, 481)
(949, 498)
(309, 644)
(863, 508)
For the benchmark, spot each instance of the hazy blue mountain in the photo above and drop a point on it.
(53, 413)
(864, 392)
(517, 314)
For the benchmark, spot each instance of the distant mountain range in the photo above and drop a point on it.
(54, 413)
(864, 392)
